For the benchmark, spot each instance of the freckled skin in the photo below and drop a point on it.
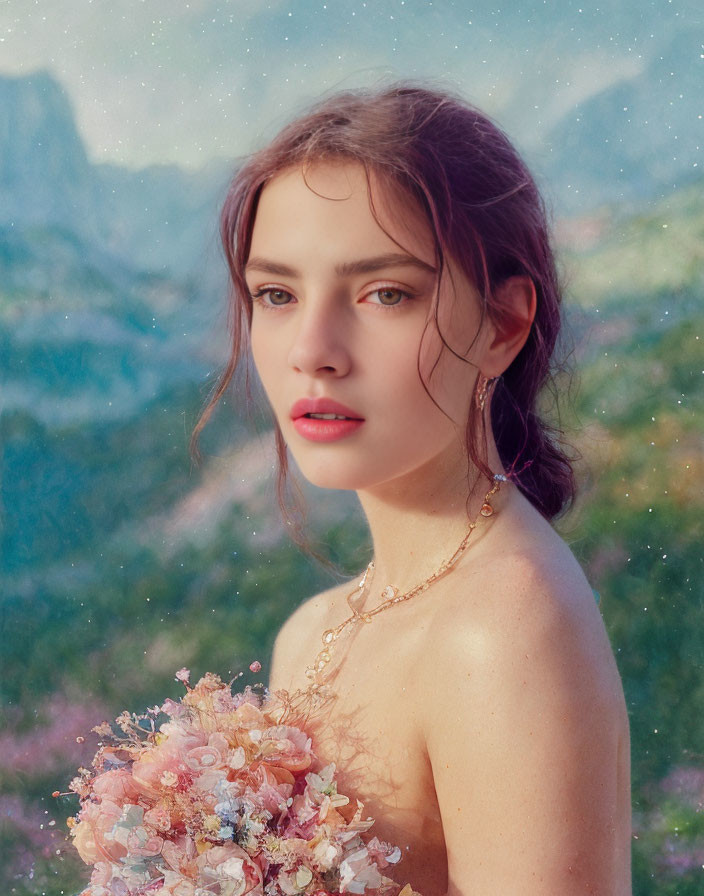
(482, 723)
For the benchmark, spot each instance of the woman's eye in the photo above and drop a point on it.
(273, 297)
(387, 295)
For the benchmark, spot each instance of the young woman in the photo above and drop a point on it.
(392, 274)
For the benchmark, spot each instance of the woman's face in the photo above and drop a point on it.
(339, 330)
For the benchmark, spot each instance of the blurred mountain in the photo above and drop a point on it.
(161, 218)
(638, 139)
(85, 337)
(111, 285)
(45, 175)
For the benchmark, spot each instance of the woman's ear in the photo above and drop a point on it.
(515, 302)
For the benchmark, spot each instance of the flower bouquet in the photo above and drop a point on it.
(222, 798)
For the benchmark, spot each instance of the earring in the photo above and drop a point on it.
(481, 390)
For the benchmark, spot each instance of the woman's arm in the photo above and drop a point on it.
(528, 741)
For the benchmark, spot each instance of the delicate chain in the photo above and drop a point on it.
(390, 592)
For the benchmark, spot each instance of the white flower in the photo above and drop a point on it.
(326, 854)
(323, 779)
(394, 856)
(233, 868)
(356, 874)
(236, 758)
(303, 877)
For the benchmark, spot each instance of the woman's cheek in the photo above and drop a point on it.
(270, 365)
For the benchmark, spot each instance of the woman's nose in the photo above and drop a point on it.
(321, 343)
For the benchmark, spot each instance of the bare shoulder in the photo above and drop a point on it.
(526, 603)
(297, 640)
(526, 725)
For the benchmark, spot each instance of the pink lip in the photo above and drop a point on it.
(324, 430)
(322, 406)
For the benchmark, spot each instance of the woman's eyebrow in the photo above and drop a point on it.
(346, 268)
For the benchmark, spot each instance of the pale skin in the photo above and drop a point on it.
(483, 722)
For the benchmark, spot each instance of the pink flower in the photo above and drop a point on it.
(201, 758)
(92, 835)
(179, 854)
(287, 747)
(183, 675)
(140, 842)
(223, 701)
(303, 817)
(158, 818)
(152, 764)
(117, 786)
(211, 756)
(262, 779)
(172, 708)
(176, 885)
(250, 717)
(247, 696)
(231, 865)
(219, 742)
(176, 736)
(153, 772)
(101, 875)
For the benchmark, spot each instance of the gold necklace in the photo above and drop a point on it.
(390, 592)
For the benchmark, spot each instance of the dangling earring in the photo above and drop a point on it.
(481, 390)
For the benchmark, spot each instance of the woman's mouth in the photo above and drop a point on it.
(326, 417)
(324, 420)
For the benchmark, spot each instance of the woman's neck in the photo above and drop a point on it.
(419, 520)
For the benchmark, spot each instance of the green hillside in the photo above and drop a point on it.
(639, 525)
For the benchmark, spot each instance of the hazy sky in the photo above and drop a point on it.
(162, 80)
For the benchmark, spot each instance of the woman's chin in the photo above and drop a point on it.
(338, 474)
(337, 480)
